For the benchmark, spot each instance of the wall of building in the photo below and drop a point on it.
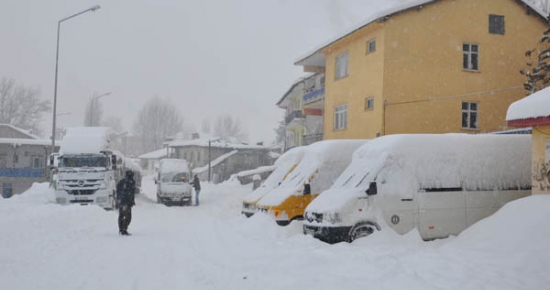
(21, 166)
(541, 159)
(417, 69)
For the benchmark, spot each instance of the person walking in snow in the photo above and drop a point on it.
(125, 190)
(197, 185)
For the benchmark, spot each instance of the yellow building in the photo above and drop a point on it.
(437, 67)
(534, 111)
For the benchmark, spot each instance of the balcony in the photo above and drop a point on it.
(314, 96)
(296, 114)
(312, 138)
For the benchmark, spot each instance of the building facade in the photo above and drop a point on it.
(435, 67)
(23, 160)
(304, 105)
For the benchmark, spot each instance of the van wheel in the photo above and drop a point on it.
(360, 231)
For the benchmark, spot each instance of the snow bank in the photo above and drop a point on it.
(85, 140)
(404, 164)
(321, 164)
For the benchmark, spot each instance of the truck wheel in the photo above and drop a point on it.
(360, 231)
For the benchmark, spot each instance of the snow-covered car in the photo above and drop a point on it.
(321, 165)
(440, 184)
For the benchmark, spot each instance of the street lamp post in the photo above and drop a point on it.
(95, 99)
(94, 8)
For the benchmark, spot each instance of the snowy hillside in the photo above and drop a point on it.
(47, 246)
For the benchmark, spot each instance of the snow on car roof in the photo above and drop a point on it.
(409, 162)
(283, 165)
(328, 155)
(173, 165)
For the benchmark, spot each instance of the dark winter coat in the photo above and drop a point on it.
(196, 183)
(125, 190)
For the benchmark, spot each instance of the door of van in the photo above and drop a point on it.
(399, 212)
(441, 212)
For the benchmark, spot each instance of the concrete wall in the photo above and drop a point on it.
(416, 75)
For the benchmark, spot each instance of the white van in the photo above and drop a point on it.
(285, 164)
(321, 165)
(440, 184)
(173, 182)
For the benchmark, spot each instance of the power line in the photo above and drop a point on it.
(456, 96)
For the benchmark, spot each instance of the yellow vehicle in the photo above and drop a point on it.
(322, 163)
(286, 163)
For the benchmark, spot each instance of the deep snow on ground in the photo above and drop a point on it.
(47, 246)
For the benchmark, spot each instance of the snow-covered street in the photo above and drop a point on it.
(47, 246)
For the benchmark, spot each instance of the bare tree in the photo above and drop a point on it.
(227, 127)
(205, 127)
(280, 132)
(94, 112)
(21, 106)
(538, 69)
(157, 120)
(114, 123)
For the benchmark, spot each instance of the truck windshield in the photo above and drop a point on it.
(83, 161)
(174, 177)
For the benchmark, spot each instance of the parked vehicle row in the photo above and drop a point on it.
(439, 184)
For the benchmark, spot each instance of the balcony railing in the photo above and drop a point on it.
(314, 96)
(296, 114)
(312, 138)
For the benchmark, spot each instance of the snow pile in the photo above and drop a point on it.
(322, 164)
(532, 106)
(404, 164)
(287, 162)
(157, 154)
(85, 140)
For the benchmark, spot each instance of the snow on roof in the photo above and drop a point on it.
(17, 141)
(258, 170)
(85, 140)
(533, 106)
(218, 143)
(25, 132)
(287, 162)
(404, 164)
(170, 165)
(323, 161)
(214, 162)
(385, 8)
(157, 154)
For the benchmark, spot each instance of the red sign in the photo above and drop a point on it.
(313, 112)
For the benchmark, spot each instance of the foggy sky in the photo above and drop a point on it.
(210, 57)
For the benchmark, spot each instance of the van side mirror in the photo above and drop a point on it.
(373, 190)
(113, 161)
(307, 188)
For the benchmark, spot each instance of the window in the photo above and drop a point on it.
(371, 46)
(3, 160)
(342, 65)
(369, 103)
(37, 162)
(469, 115)
(7, 190)
(341, 117)
(470, 56)
(496, 24)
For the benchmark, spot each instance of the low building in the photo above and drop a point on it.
(216, 160)
(150, 161)
(23, 160)
(534, 111)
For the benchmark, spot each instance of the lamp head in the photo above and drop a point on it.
(95, 8)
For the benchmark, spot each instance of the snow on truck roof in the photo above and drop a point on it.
(85, 140)
(330, 155)
(282, 166)
(173, 165)
(407, 163)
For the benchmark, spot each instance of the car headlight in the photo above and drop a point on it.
(332, 217)
(60, 200)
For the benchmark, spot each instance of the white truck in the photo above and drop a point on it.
(172, 181)
(438, 184)
(87, 169)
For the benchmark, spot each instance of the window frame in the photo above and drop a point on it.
(497, 24)
(369, 42)
(371, 107)
(470, 124)
(338, 62)
(340, 117)
(468, 55)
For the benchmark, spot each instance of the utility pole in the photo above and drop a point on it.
(209, 159)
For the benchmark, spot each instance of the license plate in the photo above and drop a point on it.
(80, 198)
